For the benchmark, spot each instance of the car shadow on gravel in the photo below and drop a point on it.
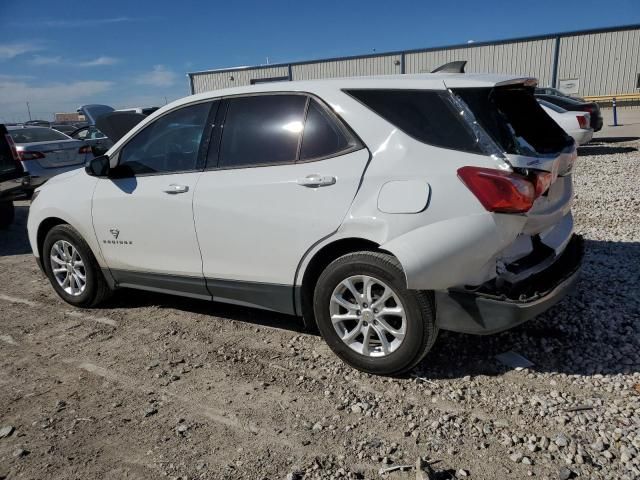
(595, 330)
(603, 150)
(128, 298)
(14, 239)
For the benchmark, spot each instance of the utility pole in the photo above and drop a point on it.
(29, 110)
(165, 100)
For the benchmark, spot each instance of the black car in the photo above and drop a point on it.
(12, 177)
(577, 106)
(556, 93)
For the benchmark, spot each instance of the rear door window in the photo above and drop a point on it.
(323, 137)
(262, 130)
(425, 115)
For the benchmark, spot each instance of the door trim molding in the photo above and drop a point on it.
(266, 296)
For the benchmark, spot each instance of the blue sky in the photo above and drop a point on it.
(58, 55)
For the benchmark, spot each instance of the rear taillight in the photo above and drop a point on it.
(30, 155)
(542, 182)
(84, 149)
(582, 121)
(499, 191)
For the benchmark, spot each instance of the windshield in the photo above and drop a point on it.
(36, 134)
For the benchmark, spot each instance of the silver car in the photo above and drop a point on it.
(45, 152)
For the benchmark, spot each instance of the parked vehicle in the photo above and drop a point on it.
(106, 126)
(93, 137)
(576, 106)
(45, 152)
(557, 93)
(576, 124)
(67, 129)
(12, 177)
(380, 209)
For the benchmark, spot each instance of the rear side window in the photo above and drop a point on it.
(322, 136)
(169, 144)
(262, 130)
(425, 115)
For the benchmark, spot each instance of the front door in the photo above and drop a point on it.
(143, 215)
(284, 177)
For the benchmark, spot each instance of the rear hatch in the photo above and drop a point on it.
(530, 141)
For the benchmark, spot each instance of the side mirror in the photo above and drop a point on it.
(98, 166)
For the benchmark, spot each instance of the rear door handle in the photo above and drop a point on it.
(316, 180)
(174, 188)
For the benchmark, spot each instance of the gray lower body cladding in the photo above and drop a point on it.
(491, 309)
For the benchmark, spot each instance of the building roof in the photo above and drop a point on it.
(429, 49)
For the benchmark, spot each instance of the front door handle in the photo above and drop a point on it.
(316, 180)
(174, 188)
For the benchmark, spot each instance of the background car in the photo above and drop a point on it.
(45, 152)
(67, 129)
(556, 93)
(576, 124)
(93, 137)
(11, 177)
(577, 106)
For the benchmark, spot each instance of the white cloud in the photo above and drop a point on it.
(12, 50)
(58, 60)
(80, 22)
(45, 60)
(97, 62)
(158, 77)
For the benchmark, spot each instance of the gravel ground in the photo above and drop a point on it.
(151, 386)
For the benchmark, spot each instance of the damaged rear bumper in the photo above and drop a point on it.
(490, 309)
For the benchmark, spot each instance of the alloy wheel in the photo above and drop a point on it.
(68, 267)
(368, 316)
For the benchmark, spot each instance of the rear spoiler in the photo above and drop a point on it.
(451, 67)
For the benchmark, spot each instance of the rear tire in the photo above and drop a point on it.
(369, 318)
(7, 213)
(77, 278)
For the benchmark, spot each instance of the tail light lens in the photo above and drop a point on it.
(30, 155)
(499, 191)
(582, 121)
(542, 182)
(84, 149)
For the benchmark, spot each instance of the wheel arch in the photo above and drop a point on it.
(315, 266)
(45, 227)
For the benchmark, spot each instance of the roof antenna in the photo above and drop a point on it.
(451, 67)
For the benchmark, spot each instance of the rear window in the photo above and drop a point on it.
(426, 115)
(36, 134)
(513, 118)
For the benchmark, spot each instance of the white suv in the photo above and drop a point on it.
(379, 209)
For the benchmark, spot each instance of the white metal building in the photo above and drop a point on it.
(602, 61)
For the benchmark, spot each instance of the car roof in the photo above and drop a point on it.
(437, 81)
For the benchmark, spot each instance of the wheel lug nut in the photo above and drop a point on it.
(364, 305)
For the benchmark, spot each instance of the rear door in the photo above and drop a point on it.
(283, 177)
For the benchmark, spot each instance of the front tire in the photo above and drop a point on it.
(369, 318)
(72, 268)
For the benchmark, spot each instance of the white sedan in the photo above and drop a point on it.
(576, 124)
